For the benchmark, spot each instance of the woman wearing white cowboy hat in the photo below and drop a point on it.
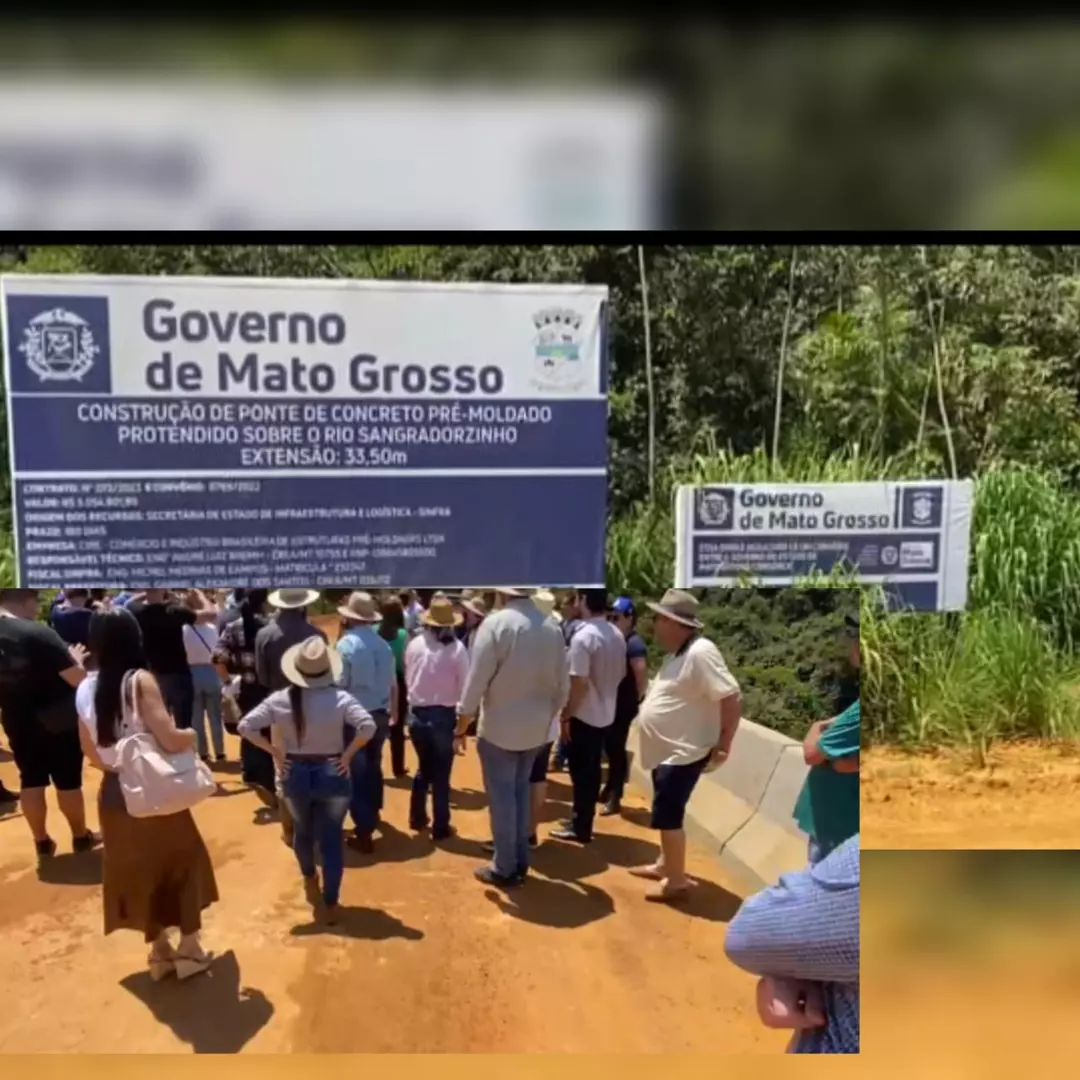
(436, 666)
(308, 719)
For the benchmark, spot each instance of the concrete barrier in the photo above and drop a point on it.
(743, 809)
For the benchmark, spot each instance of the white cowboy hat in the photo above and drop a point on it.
(360, 608)
(441, 615)
(291, 599)
(312, 664)
(679, 606)
(544, 599)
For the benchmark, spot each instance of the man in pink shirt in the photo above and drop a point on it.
(436, 665)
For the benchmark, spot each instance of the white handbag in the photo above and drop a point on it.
(156, 783)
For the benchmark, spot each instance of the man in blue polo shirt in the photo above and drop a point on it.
(828, 806)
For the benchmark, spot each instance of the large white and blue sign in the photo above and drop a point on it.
(912, 538)
(201, 431)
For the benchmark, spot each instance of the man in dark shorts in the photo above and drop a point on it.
(687, 723)
(38, 676)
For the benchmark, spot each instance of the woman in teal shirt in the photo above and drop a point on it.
(392, 631)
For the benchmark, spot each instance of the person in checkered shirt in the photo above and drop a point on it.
(801, 937)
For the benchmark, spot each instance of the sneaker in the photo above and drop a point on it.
(444, 834)
(85, 843)
(487, 876)
(611, 808)
(569, 834)
(46, 848)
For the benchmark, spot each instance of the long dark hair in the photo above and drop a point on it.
(296, 703)
(393, 618)
(116, 644)
(250, 608)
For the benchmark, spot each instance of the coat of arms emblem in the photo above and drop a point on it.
(59, 346)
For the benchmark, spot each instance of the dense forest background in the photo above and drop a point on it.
(800, 362)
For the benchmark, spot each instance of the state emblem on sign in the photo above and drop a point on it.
(714, 508)
(59, 346)
(557, 346)
(922, 507)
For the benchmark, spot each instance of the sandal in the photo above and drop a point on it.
(187, 966)
(649, 873)
(667, 895)
(161, 966)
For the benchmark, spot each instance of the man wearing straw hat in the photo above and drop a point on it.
(473, 613)
(369, 673)
(289, 628)
(436, 667)
(687, 722)
(518, 680)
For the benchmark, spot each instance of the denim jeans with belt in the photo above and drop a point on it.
(506, 781)
(431, 728)
(317, 796)
(206, 684)
(367, 778)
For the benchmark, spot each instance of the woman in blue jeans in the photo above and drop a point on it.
(309, 717)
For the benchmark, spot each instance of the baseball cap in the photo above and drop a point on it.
(623, 606)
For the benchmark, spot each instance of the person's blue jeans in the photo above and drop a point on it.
(506, 781)
(317, 796)
(367, 778)
(431, 728)
(206, 684)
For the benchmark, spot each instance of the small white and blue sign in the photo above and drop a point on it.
(910, 537)
(200, 431)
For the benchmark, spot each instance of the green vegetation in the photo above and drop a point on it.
(892, 362)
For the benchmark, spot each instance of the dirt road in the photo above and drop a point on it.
(425, 960)
(1027, 797)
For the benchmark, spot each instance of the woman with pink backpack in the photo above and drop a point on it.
(157, 872)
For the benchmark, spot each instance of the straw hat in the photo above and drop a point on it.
(544, 599)
(679, 606)
(441, 614)
(291, 599)
(360, 608)
(312, 664)
(476, 605)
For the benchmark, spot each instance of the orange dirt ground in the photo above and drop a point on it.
(1027, 797)
(425, 958)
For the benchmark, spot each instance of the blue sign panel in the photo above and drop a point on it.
(193, 431)
(910, 537)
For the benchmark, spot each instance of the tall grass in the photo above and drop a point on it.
(1006, 668)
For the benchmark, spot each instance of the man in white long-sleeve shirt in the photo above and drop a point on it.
(518, 680)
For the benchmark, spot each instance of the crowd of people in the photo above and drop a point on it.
(540, 682)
